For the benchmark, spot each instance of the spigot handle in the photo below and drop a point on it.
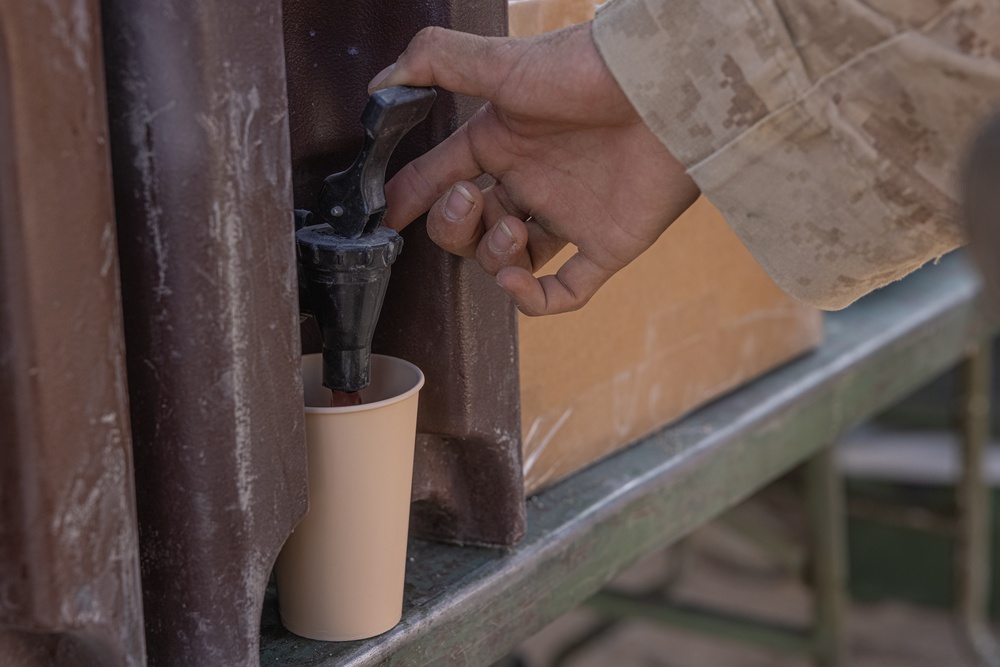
(353, 201)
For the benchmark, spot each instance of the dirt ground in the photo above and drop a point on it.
(718, 566)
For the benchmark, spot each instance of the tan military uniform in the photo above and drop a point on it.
(828, 132)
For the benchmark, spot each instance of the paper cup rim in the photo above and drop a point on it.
(377, 404)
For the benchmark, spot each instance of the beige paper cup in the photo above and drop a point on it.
(340, 574)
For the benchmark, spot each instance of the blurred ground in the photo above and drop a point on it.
(718, 566)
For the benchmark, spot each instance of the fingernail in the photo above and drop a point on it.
(380, 78)
(459, 203)
(501, 240)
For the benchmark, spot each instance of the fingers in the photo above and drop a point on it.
(455, 221)
(512, 249)
(475, 224)
(457, 224)
(504, 245)
(569, 289)
(419, 184)
(456, 61)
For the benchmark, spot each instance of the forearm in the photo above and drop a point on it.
(827, 134)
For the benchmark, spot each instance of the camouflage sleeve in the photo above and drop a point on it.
(828, 132)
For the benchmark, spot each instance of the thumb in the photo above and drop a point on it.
(456, 61)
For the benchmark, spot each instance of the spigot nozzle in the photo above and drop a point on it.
(346, 281)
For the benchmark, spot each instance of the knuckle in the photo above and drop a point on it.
(435, 231)
(579, 301)
(571, 302)
(487, 263)
(422, 44)
(417, 181)
(456, 239)
(427, 38)
(440, 235)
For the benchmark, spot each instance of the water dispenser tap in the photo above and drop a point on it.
(345, 260)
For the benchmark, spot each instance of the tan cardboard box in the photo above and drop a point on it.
(691, 319)
(533, 17)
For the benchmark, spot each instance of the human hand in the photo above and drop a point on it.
(572, 162)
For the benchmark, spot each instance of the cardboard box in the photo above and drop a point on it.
(690, 320)
(533, 17)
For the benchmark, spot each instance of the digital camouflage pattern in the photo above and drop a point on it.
(828, 132)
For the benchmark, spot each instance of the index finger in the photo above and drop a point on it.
(415, 188)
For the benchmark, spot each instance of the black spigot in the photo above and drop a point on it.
(345, 261)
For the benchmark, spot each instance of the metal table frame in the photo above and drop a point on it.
(471, 605)
(825, 640)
